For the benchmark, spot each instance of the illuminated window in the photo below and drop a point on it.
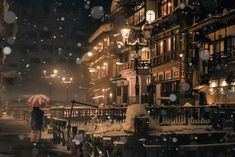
(160, 76)
(161, 47)
(174, 44)
(167, 75)
(148, 80)
(211, 49)
(176, 74)
(169, 44)
(166, 7)
(221, 46)
(139, 16)
(150, 16)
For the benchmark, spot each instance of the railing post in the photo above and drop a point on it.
(186, 116)
(233, 122)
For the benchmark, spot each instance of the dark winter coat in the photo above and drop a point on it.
(37, 119)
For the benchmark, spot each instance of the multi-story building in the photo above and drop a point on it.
(182, 42)
(100, 65)
(171, 81)
(131, 13)
(214, 56)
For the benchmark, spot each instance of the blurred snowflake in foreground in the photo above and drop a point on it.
(97, 12)
(204, 55)
(7, 50)
(10, 17)
(79, 61)
(173, 97)
(11, 40)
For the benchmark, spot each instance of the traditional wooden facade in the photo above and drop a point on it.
(179, 68)
(133, 14)
(169, 53)
(214, 55)
(100, 65)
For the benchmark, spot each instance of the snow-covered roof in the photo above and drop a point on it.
(102, 29)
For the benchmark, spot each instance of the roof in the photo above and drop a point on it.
(102, 29)
(212, 20)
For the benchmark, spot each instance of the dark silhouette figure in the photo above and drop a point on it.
(36, 123)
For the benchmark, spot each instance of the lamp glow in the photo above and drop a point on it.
(125, 33)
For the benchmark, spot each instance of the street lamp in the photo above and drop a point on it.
(147, 31)
(67, 82)
(50, 76)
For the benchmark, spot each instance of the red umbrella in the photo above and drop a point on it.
(38, 100)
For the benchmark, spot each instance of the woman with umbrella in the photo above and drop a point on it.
(36, 123)
(37, 101)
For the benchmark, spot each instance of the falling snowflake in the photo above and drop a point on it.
(7, 50)
(10, 17)
(62, 18)
(164, 139)
(163, 112)
(204, 55)
(198, 45)
(89, 53)
(174, 139)
(27, 66)
(173, 97)
(45, 28)
(182, 6)
(21, 137)
(60, 51)
(79, 61)
(185, 87)
(79, 44)
(11, 40)
(97, 12)
(87, 6)
(209, 15)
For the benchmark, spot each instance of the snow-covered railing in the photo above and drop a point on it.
(165, 115)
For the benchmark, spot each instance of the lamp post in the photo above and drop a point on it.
(50, 76)
(147, 31)
(67, 82)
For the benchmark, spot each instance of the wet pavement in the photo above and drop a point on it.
(15, 140)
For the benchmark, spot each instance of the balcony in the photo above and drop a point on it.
(102, 80)
(126, 66)
(220, 61)
(167, 57)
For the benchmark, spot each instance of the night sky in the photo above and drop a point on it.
(48, 34)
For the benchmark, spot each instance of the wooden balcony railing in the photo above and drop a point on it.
(216, 117)
(126, 66)
(165, 58)
(164, 115)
